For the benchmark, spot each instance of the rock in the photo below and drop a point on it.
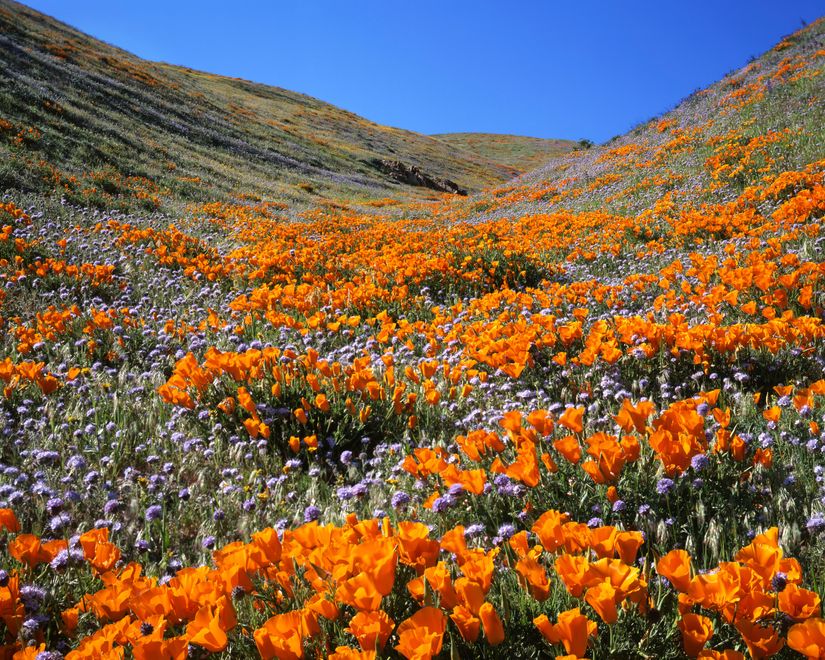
(412, 175)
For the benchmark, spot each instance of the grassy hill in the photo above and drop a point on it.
(516, 151)
(72, 106)
(765, 117)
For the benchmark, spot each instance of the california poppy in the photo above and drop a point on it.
(371, 629)
(493, 628)
(808, 638)
(675, 566)
(696, 631)
(206, 632)
(602, 598)
(8, 521)
(468, 624)
(420, 637)
(573, 629)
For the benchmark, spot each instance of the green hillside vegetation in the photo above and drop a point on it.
(516, 151)
(73, 106)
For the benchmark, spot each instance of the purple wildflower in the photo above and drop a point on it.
(664, 486)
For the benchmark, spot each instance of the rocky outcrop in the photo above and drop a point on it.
(412, 175)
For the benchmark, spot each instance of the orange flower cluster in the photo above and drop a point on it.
(747, 595)
(675, 437)
(327, 573)
(18, 375)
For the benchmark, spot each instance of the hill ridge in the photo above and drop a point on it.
(229, 133)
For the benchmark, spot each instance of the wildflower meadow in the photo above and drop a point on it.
(577, 415)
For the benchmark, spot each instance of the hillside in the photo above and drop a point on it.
(765, 117)
(72, 106)
(516, 151)
(578, 414)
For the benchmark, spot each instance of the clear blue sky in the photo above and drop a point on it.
(552, 68)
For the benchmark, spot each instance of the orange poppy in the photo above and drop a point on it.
(470, 594)
(469, 625)
(573, 629)
(696, 631)
(573, 571)
(535, 577)
(27, 549)
(420, 637)
(8, 521)
(602, 598)
(281, 637)
(808, 638)
(571, 419)
(675, 566)
(632, 417)
(493, 628)
(360, 592)
(371, 629)
(799, 603)
(206, 632)
(569, 447)
(762, 640)
(549, 529)
(348, 653)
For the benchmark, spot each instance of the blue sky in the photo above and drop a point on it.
(553, 68)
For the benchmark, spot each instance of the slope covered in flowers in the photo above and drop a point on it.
(579, 416)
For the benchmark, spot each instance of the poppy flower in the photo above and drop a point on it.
(675, 566)
(371, 629)
(572, 629)
(454, 541)
(175, 648)
(628, 544)
(602, 598)
(28, 653)
(8, 521)
(468, 624)
(526, 466)
(493, 628)
(632, 417)
(360, 592)
(438, 577)
(574, 572)
(470, 594)
(415, 547)
(379, 557)
(27, 549)
(348, 653)
(479, 566)
(535, 577)
(541, 421)
(420, 637)
(696, 631)
(762, 640)
(569, 447)
(571, 419)
(206, 632)
(799, 603)
(548, 528)
(511, 421)
(808, 638)
(281, 637)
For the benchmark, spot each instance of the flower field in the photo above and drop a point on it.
(580, 415)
